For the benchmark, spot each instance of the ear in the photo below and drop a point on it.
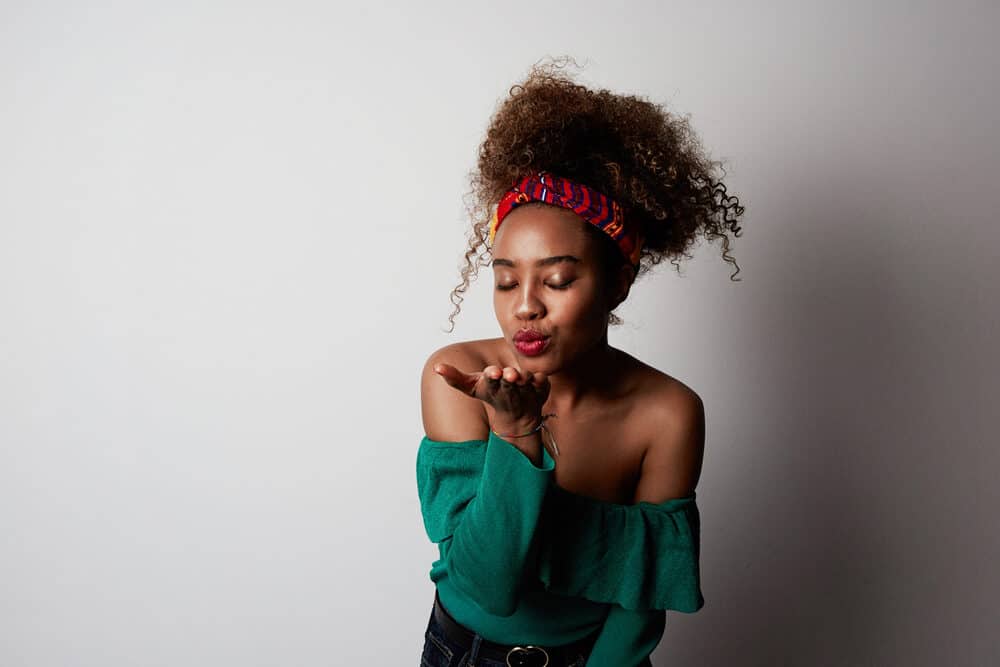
(622, 284)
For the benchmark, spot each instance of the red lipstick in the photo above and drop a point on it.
(530, 342)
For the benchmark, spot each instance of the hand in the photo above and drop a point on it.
(516, 396)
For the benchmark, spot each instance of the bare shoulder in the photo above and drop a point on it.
(448, 414)
(673, 417)
(671, 403)
(656, 392)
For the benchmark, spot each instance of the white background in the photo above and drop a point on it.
(228, 232)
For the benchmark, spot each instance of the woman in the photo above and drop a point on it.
(558, 473)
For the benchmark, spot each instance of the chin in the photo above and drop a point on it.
(536, 365)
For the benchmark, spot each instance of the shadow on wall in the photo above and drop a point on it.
(832, 539)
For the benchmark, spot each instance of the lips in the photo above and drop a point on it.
(528, 335)
(530, 343)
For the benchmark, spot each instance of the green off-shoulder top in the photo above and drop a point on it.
(523, 561)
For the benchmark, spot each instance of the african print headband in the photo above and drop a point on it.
(594, 207)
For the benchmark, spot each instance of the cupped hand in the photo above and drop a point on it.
(517, 396)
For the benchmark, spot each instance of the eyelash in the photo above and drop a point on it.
(504, 288)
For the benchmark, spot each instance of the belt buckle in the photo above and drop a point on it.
(526, 650)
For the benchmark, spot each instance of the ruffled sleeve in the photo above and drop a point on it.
(448, 475)
(627, 638)
(640, 557)
(481, 501)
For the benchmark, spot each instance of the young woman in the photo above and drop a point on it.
(557, 474)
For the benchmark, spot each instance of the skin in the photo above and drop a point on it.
(626, 432)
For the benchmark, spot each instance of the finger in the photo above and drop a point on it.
(447, 371)
(492, 372)
(510, 374)
(456, 378)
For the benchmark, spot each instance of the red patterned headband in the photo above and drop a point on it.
(594, 207)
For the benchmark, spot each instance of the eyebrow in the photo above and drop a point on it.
(548, 261)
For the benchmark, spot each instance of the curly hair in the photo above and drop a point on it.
(632, 150)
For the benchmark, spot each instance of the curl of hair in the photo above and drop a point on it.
(627, 147)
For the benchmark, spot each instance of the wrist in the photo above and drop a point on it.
(516, 427)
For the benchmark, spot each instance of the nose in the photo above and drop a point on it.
(529, 306)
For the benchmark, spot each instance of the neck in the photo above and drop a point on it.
(591, 374)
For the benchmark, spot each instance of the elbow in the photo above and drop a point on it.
(500, 606)
(490, 594)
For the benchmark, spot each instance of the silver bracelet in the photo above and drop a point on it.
(542, 426)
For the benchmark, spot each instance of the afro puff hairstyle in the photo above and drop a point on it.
(647, 159)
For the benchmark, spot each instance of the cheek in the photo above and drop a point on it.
(500, 302)
(583, 313)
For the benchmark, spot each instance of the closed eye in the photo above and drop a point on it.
(504, 288)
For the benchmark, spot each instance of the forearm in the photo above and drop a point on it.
(488, 549)
(523, 433)
(628, 638)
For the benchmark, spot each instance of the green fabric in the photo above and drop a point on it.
(525, 561)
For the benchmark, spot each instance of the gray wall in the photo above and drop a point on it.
(227, 237)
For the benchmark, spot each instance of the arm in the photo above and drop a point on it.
(488, 536)
(670, 469)
(672, 463)
(627, 638)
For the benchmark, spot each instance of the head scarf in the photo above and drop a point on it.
(591, 205)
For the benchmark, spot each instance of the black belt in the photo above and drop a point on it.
(513, 655)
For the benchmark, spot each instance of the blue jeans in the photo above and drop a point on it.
(440, 651)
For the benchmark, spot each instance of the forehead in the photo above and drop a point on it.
(537, 230)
